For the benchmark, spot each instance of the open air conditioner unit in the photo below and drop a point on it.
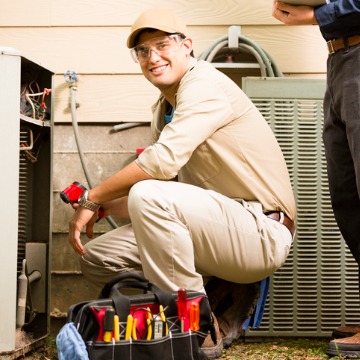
(317, 288)
(25, 217)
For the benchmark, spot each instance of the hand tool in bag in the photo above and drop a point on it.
(99, 313)
(159, 326)
(116, 328)
(72, 193)
(149, 324)
(181, 304)
(129, 326)
(108, 324)
(194, 316)
(149, 329)
(163, 318)
(133, 330)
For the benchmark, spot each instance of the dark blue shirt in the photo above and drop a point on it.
(339, 18)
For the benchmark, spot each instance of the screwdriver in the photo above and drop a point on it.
(108, 324)
(116, 328)
(194, 316)
(129, 326)
(133, 331)
(163, 318)
(181, 307)
(149, 324)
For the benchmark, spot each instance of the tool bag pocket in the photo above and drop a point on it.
(181, 346)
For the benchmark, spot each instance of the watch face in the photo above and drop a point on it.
(83, 197)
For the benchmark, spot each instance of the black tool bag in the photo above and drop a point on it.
(168, 338)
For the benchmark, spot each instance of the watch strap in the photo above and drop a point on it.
(84, 202)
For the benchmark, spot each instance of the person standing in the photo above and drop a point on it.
(339, 23)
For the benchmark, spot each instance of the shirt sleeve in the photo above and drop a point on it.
(339, 18)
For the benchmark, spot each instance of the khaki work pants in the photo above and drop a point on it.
(180, 233)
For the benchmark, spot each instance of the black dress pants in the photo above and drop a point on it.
(341, 135)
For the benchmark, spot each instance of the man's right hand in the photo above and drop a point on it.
(82, 217)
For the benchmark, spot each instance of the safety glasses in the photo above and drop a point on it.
(161, 46)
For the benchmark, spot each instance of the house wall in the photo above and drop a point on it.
(89, 37)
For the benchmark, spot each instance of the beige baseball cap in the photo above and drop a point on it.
(159, 19)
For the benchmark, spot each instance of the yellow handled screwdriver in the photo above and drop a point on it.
(129, 325)
(108, 324)
(134, 336)
(116, 328)
(163, 318)
(149, 324)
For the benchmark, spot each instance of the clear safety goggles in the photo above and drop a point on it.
(161, 46)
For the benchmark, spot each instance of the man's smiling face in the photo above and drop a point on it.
(164, 70)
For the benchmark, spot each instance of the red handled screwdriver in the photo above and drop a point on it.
(181, 307)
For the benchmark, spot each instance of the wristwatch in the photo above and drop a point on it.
(84, 202)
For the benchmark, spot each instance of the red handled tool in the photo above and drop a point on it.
(181, 304)
(99, 314)
(71, 194)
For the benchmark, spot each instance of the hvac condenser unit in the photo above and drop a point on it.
(25, 214)
(317, 288)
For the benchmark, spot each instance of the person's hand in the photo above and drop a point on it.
(293, 14)
(82, 217)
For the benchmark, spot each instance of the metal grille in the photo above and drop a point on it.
(24, 176)
(317, 288)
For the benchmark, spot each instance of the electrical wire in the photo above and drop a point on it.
(73, 89)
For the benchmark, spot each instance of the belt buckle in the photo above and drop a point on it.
(330, 47)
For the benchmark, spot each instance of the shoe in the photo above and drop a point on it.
(345, 331)
(211, 349)
(232, 304)
(348, 347)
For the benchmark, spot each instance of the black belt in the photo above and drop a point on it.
(283, 219)
(342, 43)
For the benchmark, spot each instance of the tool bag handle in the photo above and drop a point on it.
(122, 302)
(121, 278)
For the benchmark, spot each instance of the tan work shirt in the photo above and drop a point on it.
(218, 140)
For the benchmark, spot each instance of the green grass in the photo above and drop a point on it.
(261, 349)
(279, 349)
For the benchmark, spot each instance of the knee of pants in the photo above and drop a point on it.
(142, 194)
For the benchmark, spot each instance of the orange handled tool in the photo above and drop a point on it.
(194, 316)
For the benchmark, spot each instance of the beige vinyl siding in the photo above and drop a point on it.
(123, 13)
(89, 38)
